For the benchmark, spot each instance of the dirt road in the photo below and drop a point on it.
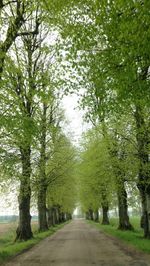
(79, 244)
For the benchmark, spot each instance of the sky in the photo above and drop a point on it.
(76, 125)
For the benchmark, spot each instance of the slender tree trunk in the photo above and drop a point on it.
(59, 214)
(50, 218)
(67, 216)
(49, 215)
(124, 223)
(142, 136)
(105, 209)
(42, 185)
(144, 218)
(54, 216)
(91, 214)
(96, 216)
(70, 216)
(63, 217)
(43, 226)
(56, 213)
(24, 231)
(87, 215)
(60, 217)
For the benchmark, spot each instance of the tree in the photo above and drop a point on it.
(13, 16)
(122, 153)
(96, 174)
(23, 80)
(110, 52)
(49, 119)
(61, 196)
(128, 69)
(27, 76)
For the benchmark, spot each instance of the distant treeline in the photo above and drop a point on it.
(13, 218)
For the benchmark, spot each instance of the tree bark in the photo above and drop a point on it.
(50, 217)
(24, 231)
(25, 96)
(59, 214)
(68, 216)
(87, 215)
(142, 136)
(91, 214)
(63, 217)
(105, 209)
(42, 218)
(96, 216)
(12, 32)
(145, 218)
(124, 223)
(42, 184)
(56, 215)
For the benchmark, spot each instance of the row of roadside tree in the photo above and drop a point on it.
(36, 154)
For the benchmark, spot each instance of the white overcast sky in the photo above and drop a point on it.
(76, 125)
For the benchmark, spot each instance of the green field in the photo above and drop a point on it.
(134, 238)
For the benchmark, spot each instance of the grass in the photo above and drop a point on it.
(133, 238)
(9, 248)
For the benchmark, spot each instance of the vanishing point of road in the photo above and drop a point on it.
(80, 244)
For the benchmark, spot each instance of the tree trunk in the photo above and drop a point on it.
(144, 217)
(96, 216)
(124, 223)
(87, 215)
(142, 136)
(24, 231)
(50, 217)
(42, 184)
(105, 209)
(43, 226)
(67, 216)
(59, 214)
(105, 206)
(55, 216)
(91, 214)
(63, 217)
(70, 216)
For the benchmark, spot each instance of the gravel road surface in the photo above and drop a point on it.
(79, 244)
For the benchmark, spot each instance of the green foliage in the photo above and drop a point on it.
(96, 176)
(107, 163)
(62, 174)
(111, 45)
(100, 47)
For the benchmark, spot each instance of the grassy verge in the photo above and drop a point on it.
(9, 248)
(134, 238)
